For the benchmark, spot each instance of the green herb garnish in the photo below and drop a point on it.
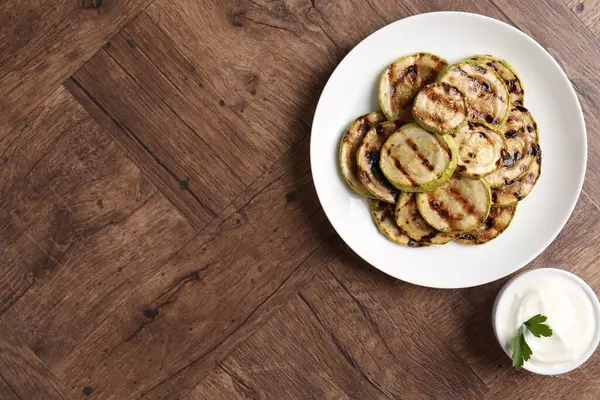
(521, 350)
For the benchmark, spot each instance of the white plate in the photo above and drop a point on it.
(352, 91)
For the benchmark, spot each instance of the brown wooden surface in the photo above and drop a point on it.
(160, 236)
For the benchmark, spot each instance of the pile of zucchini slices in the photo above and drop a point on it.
(449, 156)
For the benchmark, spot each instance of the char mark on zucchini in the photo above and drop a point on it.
(507, 74)
(441, 144)
(373, 159)
(521, 146)
(485, 93)
(420, 156)
(368, 160)
(459, 205)
(349, 145)
(416, 160)
(403, 79)
(496, 223)
(383, 216)
(403, 171)
(517, 189)
(410, 221)
(440, 108)
(458, 197)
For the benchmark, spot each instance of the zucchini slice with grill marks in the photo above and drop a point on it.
(521, 138)
(401, 81)
(459, 205)
(414, 160)
(367, 158)
(412, 223)
(520, 188)
(485, 93)
(507, 73)
(479, 150)
(496, 223)
(440, 108)
(383, 216)
(349, 145)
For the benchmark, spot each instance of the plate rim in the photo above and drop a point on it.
(571, 92)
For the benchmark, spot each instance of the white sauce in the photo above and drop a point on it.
(569, 309)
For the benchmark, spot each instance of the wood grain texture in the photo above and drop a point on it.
(80, 227)
(372, 349)
(588, 12)
(210, 295)
(44, 42)
(22, 374)
(169, 143)
(162, 239)
(7, 392)
(59, 186)
(206, 124)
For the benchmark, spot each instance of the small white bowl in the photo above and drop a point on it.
(566, 367)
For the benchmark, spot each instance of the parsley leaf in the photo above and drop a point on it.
(521, 350)
(537, 327)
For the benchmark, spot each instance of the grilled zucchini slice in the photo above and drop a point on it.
(349, 146)
(383, 216)
(521, 138)
(496, 223)
(414, 160)
(485, 93)
(367, 159)
(401, 81)
(440, 108)
(459, 205)
(507, 73)
(520, 188)
(479, 150)
(412, 223)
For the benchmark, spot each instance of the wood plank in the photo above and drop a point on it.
(22, 147)
(200, 120)
(224, 385)
(45, 42)
(587, 12)
(171, 186)
(22, 374)
(94, 274)
(58, 185)
(208, 298)
(80, 228)
(524, 386)
(148, 54)
(150, 125)
(327, 343)
(6, 392)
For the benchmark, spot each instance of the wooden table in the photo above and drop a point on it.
(160, 235)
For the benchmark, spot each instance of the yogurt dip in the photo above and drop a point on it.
(573, 313)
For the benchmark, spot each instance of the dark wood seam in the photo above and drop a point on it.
(349, 359)
(240, 326)
(179, 181)
(196, 134)
(10, 387)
